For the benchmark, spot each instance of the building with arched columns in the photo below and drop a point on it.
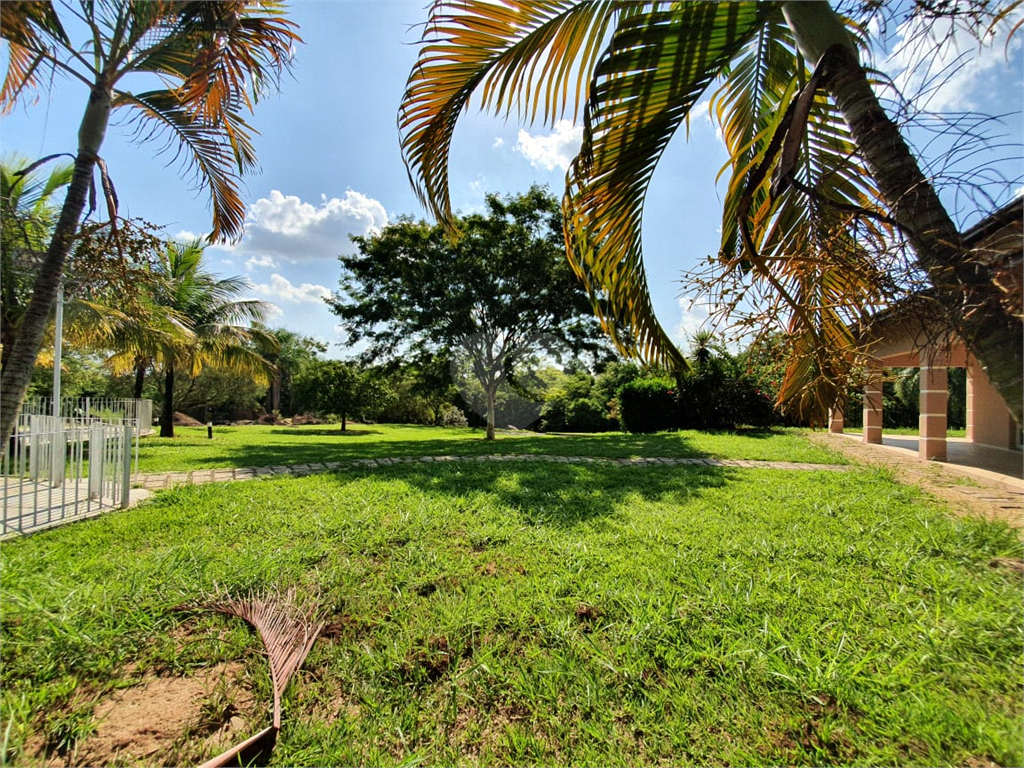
(910, 336)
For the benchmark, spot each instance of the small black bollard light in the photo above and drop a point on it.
(209, 430)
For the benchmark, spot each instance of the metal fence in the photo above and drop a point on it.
(56, 470)
(109, 410)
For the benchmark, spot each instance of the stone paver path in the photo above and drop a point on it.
(169, 479)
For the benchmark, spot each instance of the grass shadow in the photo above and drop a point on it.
(324, 432)
(272, 446)
(554, 494)
(320, 446)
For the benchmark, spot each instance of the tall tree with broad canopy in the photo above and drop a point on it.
(499, 289)
(214, 60)
(802, 123)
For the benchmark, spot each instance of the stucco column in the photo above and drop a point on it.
(932, 421)
(835, 419)
(988, 420)
(971, 373)
(873, 407)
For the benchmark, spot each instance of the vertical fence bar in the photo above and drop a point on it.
(60, 442)
(95, 461)
(126, 469)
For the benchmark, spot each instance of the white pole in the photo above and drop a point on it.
(58, 332)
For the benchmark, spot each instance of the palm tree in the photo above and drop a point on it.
(27, 216)
(104, 307)
(801, 121)
(219, 332)
(213, 59)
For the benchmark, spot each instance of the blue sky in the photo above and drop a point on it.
(331, 165)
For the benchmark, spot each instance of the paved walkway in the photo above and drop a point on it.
(169, 479)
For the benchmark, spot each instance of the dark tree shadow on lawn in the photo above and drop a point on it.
(325, 431)
(335, 446)
(559, 495)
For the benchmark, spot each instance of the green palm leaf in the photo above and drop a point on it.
(534, 57)
(818, 264)
(656, 68)
(202, 148)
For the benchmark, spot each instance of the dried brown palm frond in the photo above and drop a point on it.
(288, 626)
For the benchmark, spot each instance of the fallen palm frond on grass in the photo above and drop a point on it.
(288, 627)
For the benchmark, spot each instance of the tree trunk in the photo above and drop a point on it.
(275, 393)
(167, 415)
(21, 358)
(963, 287)
(490, 413)
(343, 422)
(140, 378)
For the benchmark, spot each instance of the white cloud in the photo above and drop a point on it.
(945, 63)
(702, 111)
(694, 317)
(184, 236)
(285, 228)
(498, 143)
(281, 288)
(260, 261)
(553, 151)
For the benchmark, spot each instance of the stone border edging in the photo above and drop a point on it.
(163, 480)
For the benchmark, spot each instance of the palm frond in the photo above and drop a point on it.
(202, 148)
(656, 68)
(237, 54)
(29, 27)
(806, 247)
(528, 56)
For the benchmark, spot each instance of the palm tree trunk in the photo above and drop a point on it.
(167, 415)
(21, 360)
(140, 377)
(963, 288)
(275, 393)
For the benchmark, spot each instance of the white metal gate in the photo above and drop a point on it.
(57, 469)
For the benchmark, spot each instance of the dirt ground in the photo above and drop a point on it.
(166, 721)
(969, 495)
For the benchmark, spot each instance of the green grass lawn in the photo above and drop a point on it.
(259, 446)
(524, 613)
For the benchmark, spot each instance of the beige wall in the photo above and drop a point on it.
(988, 420)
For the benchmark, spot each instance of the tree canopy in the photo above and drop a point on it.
(221, 334)
(499, 289)
(332, 387)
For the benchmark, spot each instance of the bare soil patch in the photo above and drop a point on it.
(167, 721)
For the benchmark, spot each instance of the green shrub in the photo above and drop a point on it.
(648, 405)
(715, 395)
